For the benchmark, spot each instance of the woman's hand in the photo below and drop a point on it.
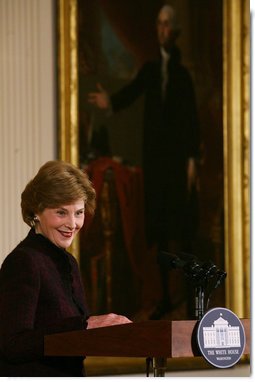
(107, 320)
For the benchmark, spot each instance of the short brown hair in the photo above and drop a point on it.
(56, 183)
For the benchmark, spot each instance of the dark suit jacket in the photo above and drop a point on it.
(40, 293)
(171, 136)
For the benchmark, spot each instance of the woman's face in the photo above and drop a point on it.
(60, 225)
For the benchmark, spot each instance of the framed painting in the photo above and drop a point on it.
(103, 45)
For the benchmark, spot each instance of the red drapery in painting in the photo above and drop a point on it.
(129, 189)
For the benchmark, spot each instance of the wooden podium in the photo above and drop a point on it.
(158, 340)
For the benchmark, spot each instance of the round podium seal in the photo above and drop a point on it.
(221, 337)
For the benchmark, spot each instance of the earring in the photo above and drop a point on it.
(34, 221)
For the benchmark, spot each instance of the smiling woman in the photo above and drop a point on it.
(61, 224)
(41, 291)
(54, 202)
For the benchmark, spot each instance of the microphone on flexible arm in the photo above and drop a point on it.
(192, 266)
(198, 273)
(174, 260)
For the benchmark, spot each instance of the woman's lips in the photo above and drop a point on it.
(66, 234)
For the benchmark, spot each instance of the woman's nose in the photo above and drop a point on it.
(70, 222)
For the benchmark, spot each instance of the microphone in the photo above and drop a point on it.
(199, 274)
(173, 260)
(196, 271)
(221, 275)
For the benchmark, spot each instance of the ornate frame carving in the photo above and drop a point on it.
(236, 107)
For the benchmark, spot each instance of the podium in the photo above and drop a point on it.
(158, 340)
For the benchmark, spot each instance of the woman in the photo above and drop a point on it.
(41, 291)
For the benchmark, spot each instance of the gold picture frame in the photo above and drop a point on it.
(236, 126)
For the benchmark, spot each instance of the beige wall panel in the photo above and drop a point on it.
(27, 105)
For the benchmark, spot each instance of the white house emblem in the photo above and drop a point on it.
(221, 337)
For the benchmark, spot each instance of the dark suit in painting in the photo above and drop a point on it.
(171, 137)
(40, 293)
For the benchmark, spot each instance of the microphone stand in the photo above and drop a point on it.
(199, 302)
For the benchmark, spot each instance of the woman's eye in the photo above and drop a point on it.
(79, 213)
(61, 213)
